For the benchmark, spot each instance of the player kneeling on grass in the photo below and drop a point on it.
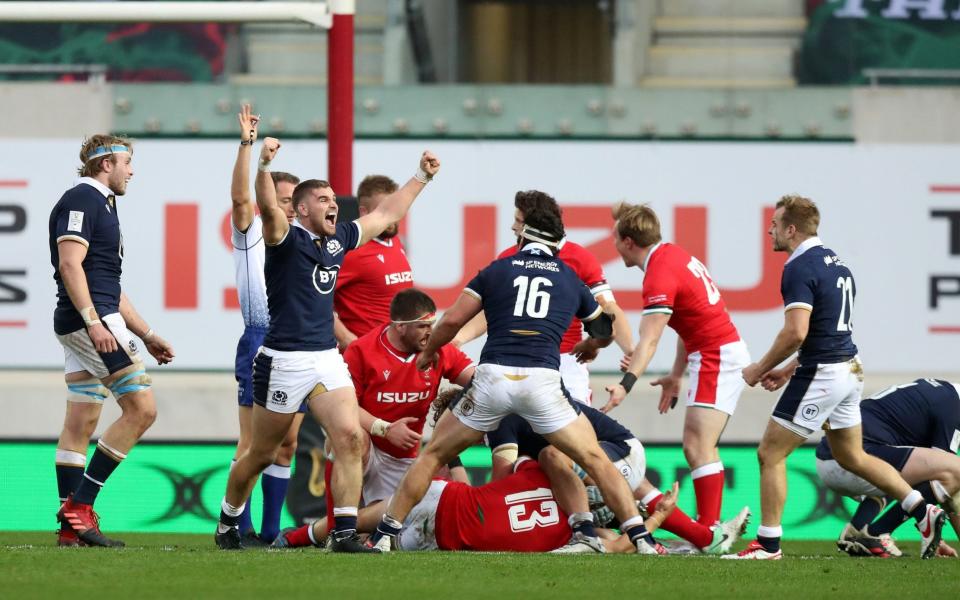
(914, 427)
(514, 437)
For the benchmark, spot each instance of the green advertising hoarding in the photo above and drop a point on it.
(178, 488)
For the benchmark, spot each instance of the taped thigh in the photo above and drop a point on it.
(131, 380)
(88, 390)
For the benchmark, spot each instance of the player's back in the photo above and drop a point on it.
(924, 413)
(517, 513)
(248, 262)
(529, 301)
(817, 280)
(678, 284)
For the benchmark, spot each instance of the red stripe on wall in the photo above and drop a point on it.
(13, 323)
(944, 329)
(181, 255)
(13, 183)
(945, 189)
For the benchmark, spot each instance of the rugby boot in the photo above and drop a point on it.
(755, 551)
(862, 543)
(66, 538)
(350, 542)
(930, 528)
(727, 533)
(251, 540)
(890, 546)
(85, 523)
(581, 544)
(229, 539)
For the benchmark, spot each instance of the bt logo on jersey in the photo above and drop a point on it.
(402, 397)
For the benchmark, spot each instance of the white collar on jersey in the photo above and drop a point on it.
(388, 242)
(390, 349)
(296, 223)
(537, 246)
(97, 185)
(804, 246)
(643, 267)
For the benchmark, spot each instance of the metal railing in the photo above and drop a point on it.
(875, 75)
(95, 73)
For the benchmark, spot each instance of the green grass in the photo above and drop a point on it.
(175, 566)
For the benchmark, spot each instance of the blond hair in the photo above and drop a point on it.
(800, 212)
(637, 222)
(92, 168)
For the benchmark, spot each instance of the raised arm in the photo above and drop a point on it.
(395, 206)
(471, 331)
(242, 210)
(275, 226)
(464, 309)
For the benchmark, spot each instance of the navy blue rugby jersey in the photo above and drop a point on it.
(513, 429)
(529, 300)
(85, 215)
(815, 279)
(301, 273)
(924, 413)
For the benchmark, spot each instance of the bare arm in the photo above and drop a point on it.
(344, 336)
(74, 280)
(651, 328)
(471, 331)
(395, 206)
(795, 327)
(622, 334)
(275, 226)
(464, 309)
(242, 209)
(396, 432)
(463, 379)
(156, 345)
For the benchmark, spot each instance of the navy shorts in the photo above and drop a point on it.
(895, 456)
(247, 347)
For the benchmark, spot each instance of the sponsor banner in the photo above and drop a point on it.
(178, 488)
(844, 37)
(892, 213)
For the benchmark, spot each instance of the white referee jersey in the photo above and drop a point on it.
(248, 259)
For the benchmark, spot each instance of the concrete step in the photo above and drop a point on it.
(731, 8)
(717, 83)
(750, 26)
(721, 63)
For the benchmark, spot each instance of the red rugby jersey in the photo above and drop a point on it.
(390, 387)
(517, 513)
(588, 269)
(677, 284)
(370, 277)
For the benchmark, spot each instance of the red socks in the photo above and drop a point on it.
(708, 485)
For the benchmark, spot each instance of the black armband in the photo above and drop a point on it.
(246, 142)
(628, 380)
(456, 462)
(600, 328)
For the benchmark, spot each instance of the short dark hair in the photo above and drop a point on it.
(540, 211)
(374, 184)
(283, 177)
(300, 192)
(410, 304)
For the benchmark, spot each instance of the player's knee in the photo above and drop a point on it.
(550, 458)
(287, 451)
(349, 442)
(136, 382)
(693, 451)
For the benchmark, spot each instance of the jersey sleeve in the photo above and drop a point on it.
(244, 240)
(478, 285)
(659, 292)
(349, 235)
(589, 308)
(77, 220)
(354, 359)
(455, 362)
(797, 288)
(591, 273)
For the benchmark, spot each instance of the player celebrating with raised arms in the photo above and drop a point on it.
(529, 300)
(678, 291)
(825, 380)
(299, 361)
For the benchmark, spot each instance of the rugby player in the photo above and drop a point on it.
(915, 427)
(248, 258)
(372, 275)
(529, 300)
(515, 514)
(573, 372)
(515, 438)
(825, 380)
(96, 323)
(679, 292)
(299, 361)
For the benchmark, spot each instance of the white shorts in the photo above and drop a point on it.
(79, 353)
(576, 379)
(844, 482)
(420, 527)
(633, 466)
(821, 393)
(282, 381)
(715, 376)
(533, 393)
(382, 474)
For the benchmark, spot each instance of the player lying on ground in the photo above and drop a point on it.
(515, 514)
(514, 437)
(914, 427)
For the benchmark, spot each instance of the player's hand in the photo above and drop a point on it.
(270, 148)
(248, 124)
(945, 551)
(160, 349)
(586, 351)
(751, 374)
(775, 379)
(425, 361)
(667, 503)
(429, 163)
(617, 394)
(625, 362)
(670, 392)
(102, 339)
(401, 436)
